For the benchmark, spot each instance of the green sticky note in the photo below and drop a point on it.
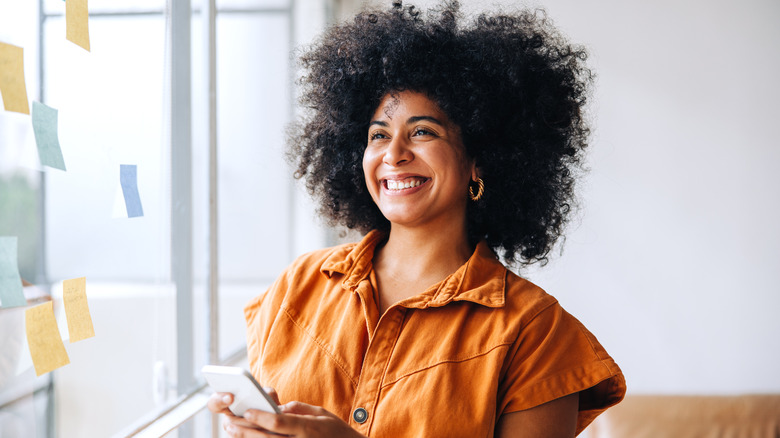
(44, 119)
(11, 292)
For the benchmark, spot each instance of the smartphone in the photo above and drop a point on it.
(247, 393)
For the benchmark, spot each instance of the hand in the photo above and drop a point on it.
(220, 402)
(297, 419)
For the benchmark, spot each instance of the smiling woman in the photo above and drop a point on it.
(416, 166)
(446, 142)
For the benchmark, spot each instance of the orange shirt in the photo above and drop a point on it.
(445, 363)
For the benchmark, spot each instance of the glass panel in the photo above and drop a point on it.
(253, 111)
(19, 165)
(24, 398)
(57, 7)
(250, 4)
(198, 426)
(110, 113)
(19, 204)
(19, 26)
(26, 416)
(254, 180)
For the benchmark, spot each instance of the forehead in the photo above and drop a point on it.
(406, 104)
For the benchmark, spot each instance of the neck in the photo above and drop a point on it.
(422, 253)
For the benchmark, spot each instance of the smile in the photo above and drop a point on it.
(407, 183)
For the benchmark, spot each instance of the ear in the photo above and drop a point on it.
(474, 171)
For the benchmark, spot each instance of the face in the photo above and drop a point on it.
(415, 163)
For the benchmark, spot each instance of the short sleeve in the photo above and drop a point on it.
(554, 356)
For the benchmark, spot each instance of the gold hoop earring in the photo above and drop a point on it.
(480, 192)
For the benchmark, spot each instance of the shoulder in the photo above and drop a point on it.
(320, 261)
(342, 259)
(318, 270)
(308, 265)
(325, 261)
(555, 355)
(526, 300)
(538, 314)
(304, 277)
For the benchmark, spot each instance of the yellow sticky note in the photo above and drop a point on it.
(77, 22)
(12, 86)
(43, 337)
(74, 296)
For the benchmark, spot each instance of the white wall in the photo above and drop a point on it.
(675, 262)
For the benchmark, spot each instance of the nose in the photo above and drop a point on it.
(398, 152)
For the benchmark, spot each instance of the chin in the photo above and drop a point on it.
(399, 218)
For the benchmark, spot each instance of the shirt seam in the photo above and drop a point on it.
(464, 359)
(536, 315)
(320, 345)
(521, 328)
(602, 360)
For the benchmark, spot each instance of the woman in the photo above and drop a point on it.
(446, 143)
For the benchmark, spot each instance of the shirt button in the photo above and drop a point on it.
(360, 415)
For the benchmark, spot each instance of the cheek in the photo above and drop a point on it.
(369, 173)
(366, 167)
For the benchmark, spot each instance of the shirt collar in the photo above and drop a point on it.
(481, 280)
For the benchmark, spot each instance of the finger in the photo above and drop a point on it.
(236, 431)
(219, 402)
(232, 421)
(272, 392)
(287, 424)
(300, 408)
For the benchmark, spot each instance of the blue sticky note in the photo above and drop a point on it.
(128, 177)
(44, 120)
(11, 292)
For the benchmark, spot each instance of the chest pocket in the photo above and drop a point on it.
(459, 333)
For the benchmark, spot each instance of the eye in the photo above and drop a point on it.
(376, 135)
(422, 131)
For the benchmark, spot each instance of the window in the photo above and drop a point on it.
(115, 108)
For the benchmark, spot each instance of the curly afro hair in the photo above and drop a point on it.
(511, 82)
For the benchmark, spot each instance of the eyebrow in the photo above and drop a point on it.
(413, 119)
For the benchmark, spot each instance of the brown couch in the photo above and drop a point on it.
(652, 416)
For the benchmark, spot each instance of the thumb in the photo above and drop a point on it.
(272, 393)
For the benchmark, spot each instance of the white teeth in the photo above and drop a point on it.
(400, 185)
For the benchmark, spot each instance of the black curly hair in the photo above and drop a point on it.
(511, 82)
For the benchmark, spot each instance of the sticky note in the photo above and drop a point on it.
(128, 178)
(43, 337)
(44, 119)
(77, 23)
(11, 292)
(12, 86)
(74, 297)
